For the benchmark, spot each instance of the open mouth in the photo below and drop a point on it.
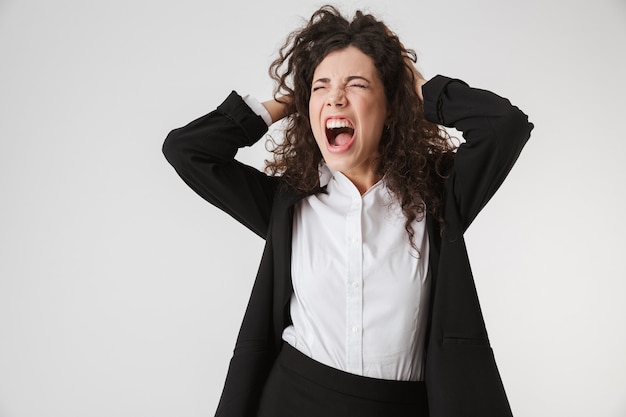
(339, 132)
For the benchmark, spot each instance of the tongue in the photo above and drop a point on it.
(342, 138)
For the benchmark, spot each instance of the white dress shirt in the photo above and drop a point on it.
(360, 301)
(360, 290)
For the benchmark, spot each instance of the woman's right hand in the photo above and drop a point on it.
(277, 108)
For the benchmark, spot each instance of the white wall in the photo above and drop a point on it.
(108, 306)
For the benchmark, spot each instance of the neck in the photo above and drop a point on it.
(364, 181)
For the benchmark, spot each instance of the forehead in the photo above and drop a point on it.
(344, 62)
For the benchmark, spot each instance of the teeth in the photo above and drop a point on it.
(337, 124)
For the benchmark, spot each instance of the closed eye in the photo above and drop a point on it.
(358, 85)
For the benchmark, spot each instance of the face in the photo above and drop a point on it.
(348, 110)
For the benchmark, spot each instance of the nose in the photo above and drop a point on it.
(336, 98)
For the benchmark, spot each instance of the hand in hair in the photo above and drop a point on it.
(419, 79)
(410, 64)
(417, 76)
(277, 108)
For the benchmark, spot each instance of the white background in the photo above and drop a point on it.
(121, 291)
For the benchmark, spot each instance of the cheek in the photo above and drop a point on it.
(314, 108)
(314, 119)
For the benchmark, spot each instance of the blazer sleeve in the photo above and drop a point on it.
(203, 154)
(494, 130)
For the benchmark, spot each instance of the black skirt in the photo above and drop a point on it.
(298, 386)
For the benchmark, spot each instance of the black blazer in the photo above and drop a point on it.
(460, 372)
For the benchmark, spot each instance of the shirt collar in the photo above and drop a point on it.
(326, 174)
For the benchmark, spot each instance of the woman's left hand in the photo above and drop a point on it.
(419, 81)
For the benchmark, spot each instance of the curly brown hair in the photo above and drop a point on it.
(413, 152)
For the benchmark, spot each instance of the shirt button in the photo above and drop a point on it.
(355, 284)
(355, 329)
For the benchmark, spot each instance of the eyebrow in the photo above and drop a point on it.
(347, 79)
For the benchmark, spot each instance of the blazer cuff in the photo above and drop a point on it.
(433, 92)
(236, 109)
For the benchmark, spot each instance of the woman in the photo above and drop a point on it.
(364, 303)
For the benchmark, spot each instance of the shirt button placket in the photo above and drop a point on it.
(354, 302)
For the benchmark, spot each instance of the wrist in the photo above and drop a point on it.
(276, 108)
(419, 83)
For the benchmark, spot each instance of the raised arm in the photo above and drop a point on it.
(203, 153)
(494, 130)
